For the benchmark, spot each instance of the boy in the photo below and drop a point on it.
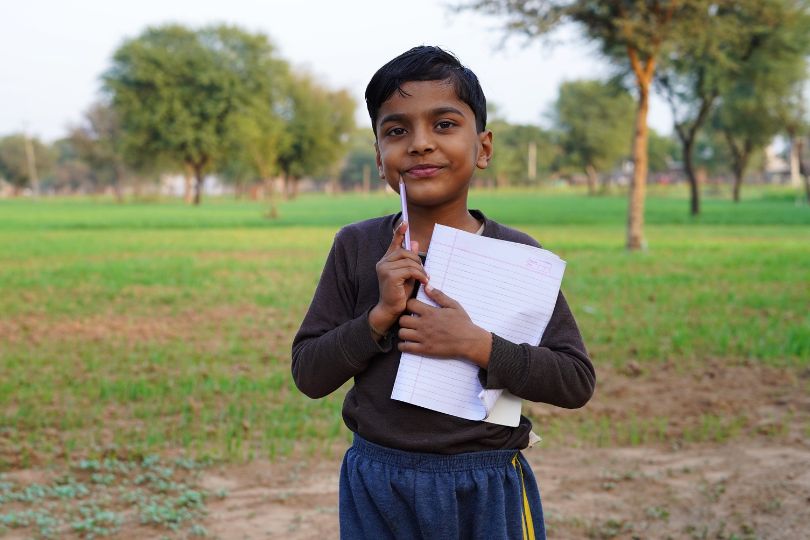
(412, 472)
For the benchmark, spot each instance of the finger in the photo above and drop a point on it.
(410, 347)
(415, 247)
(417, 307)
(400, 254)
(439, 297)
(399, 237)
(407, 334)
(409, 321)
(404, 272)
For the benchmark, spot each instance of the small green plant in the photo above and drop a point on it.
(91, 502)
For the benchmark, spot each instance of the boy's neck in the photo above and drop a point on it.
(423, 219)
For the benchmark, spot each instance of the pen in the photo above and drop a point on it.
(404, 200)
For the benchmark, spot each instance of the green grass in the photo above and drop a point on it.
(159, 326)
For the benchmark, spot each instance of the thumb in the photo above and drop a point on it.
(439, 297)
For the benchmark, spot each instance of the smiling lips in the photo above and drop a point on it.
(424, 171)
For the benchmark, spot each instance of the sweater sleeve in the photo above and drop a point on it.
(333, 345)
(558, 371)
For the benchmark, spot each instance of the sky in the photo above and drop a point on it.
(52, 53)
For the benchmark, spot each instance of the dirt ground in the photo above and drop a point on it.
(750, 482)
(754, 485)
(731, 491)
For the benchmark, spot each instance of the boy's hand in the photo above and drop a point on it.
(445, 331)
(397, 273)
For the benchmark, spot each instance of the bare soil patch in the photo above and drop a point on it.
(160, 326)
(755, 485)
(751, 490)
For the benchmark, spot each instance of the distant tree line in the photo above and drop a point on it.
(220, 100)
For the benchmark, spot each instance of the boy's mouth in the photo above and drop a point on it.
(423, 171)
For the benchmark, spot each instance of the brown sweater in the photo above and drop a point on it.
(335, 344)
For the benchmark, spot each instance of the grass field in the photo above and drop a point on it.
(157, 328)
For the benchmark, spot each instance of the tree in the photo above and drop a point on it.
(756, 106)
(595, 123)
(98, 141)
(23, 160)
(178, 91)
(707, 57)
(635, 33)
(257, 133)
(319, 126)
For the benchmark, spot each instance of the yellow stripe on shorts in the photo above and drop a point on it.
(526, 513)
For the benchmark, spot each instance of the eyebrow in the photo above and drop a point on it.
(398, 117)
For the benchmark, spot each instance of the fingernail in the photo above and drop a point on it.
(429, 287)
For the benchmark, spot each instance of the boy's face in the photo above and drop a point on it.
(429, 137)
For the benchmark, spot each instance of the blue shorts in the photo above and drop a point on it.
(393, 494)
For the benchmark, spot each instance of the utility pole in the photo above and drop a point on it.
(532, 161)
(32, 164)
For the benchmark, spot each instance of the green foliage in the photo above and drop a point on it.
(256, 134)
(595, 119)
(756, 106)
(185, 96)
(319, 126)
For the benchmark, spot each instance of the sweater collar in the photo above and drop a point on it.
(388, 226)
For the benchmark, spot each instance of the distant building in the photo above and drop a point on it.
(777, 168)
(174, 185)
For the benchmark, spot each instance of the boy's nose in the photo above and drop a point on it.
(421, 142)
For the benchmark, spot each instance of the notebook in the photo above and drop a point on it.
(506, 288)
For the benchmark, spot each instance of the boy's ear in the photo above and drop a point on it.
(380, 170)
(485, 151)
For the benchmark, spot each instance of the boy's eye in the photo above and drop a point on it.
(396, 131)
(445, 124)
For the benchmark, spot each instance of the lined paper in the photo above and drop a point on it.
(506, 288)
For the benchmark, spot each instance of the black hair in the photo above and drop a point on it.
(426, 63)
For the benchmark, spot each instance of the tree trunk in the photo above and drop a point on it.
(689, 169)
(740, 165)
(804, 170)
(638, 185)
(739, 158)
(270, 197)
(737, 185)
(198, 184)
(188, 176)
(593, 179)
(119, 176)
